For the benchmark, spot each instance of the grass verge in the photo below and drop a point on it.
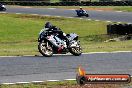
(19, 33)
(64, 84)
(104, 8)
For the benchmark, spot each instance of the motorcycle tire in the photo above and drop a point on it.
(87, 15)
(77, 51)
(79, 16)
(44, 50)
(4, 9)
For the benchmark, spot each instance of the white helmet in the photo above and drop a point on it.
(80, 7)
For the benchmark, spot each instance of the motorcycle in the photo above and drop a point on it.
(2, 7)
(50, 43)
(79, 13)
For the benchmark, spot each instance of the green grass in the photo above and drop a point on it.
(52, 1)
(111, 8)
(19, 33)
(64, 84)
(124, 8)
(41, 85)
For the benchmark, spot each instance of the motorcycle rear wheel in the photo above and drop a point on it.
(45, 49)
(79, 15)
(4, 9)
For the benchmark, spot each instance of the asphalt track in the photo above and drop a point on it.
(96, 15)
(59, 67)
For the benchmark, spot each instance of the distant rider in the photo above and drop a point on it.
(81, 10)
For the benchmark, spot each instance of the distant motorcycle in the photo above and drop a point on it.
(50, 43)
(2, 7)
(79, 13)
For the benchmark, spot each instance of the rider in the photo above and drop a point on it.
(54, 29)
(81, 10)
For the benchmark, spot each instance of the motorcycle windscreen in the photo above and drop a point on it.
(72, 36)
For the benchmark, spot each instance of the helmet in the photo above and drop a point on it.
(80, 7)
(48, 25)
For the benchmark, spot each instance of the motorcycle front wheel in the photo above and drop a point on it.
(87, 15)
(45, 49)
(77, 51)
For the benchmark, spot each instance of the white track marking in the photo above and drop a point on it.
(69, 17)
(89, 19)
(57, 16)
(51, 8)
(34, 14)
(46, 15)
(71, 54)
(10, 56)
(108, 21)
(3, 12)
(69, 79)
(109, 52)
(53, 80)
(27, 7)
(8, 83)
(118, 11)
(118, 22)
(27, 55)
(37, 81)
(129, 23)
(61, 16)
(18, 13)
(121, 51)
(95, 52)
(22, 82)
(72, 9)
(97, 20)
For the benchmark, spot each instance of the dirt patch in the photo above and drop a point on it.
(95, 9)
(92, 86)
(103, 9)
(19, 6)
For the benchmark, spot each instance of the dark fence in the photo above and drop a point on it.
(26, 3)
(120, 29)
(47, 3)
